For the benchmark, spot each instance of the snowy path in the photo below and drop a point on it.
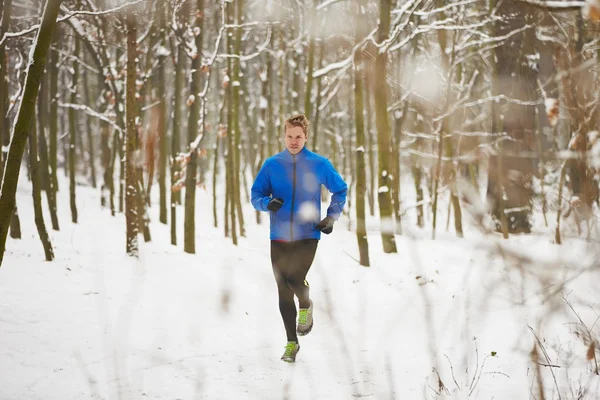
(96, 324)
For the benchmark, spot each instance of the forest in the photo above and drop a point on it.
(485, 109)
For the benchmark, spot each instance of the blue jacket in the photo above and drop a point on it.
(297, 180)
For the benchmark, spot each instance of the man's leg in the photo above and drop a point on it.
(300, 263)
(281, 256)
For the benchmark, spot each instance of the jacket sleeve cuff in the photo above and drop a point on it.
(265, 203)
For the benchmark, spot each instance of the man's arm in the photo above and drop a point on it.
(261, 189)
(339, 189)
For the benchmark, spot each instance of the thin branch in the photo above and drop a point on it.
(539, 343)
(89, 111)
(556, 5)
(327, 3)
(66, 17)
(257, 53)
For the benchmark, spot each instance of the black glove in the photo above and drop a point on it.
(275, 204)
(326, 225)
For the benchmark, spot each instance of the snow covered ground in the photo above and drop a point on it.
(450, 318)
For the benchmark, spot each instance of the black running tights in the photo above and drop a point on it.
(291, 262)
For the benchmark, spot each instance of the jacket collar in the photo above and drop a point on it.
(302, 153)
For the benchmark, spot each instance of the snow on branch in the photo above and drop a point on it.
(344, 64)
(195, 143)
(500, 97)
(89, 111)
(565, 5)
(258, 52)
(331, 94)
(208, 66)
(14, 100)
(333, 66)
(327, 3)
(212, 59)
(247, 24)
(34, 28)
(440, 9)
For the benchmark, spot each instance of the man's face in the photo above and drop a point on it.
(295, 139)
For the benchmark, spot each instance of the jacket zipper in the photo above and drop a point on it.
(293, 198)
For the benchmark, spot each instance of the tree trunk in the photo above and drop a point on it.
(15, 225)
(142, 210)
(46, 182)
(312, 22)
(220, 137)
(73, 134)
(383, 133)
(454, 199)
(25, 115)
(579, 98)
(361, 184)
(273, 132)
(227, 194)
(230, 170)
(121, 142)
(214, 182)
(37, 193)
(436, 182)
(131, 143)
(450, 172)
(418, 179)
(90, 128)
(53, 127)
(189, 229)
(149, 144)
(510, 173)
(282, 98)
(162, 123)
(118, 139)
(265, 111)
(235, 87)
(106, 176)
(65, 143)
(176, 171)
(315, 121)
(396, 166)
(5, 14)
(370, 146)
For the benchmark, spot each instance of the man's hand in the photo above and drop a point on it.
(275, 204)
(326, 225)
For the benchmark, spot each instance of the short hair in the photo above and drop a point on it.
(298, 120)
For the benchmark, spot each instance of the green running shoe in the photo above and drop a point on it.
(305, 320)
(291, 349)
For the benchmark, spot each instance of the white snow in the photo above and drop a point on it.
(95, 323)
(162, 51)
(263, 103)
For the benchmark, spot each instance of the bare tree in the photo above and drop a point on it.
(383, 130)
(189, 230)
(131, 142)
(361, 186)
(25, 115)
